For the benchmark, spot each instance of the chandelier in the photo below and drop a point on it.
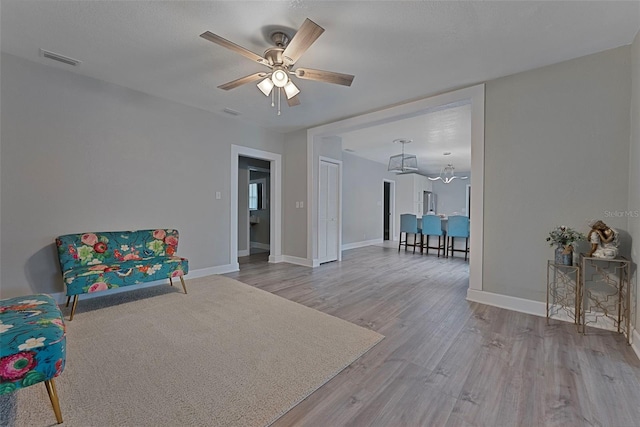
(403, 163)
(447, 174)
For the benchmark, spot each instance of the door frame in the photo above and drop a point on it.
(473, 95)
(275, 202)
(339, 164)
(392, 208)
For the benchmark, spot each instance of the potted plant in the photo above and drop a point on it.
(564, 238)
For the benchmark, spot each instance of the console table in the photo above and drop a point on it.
(605, 293)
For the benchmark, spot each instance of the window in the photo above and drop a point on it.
(253, 196)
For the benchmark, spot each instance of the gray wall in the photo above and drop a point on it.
(294, 188)
(79, 154)
(452, 197)
(362, 203)
(556, 153)
(634, 167)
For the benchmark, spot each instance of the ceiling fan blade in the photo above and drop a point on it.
(234, 47)
(293, 101)
(325, 76)
(242, 80)
(308, 33)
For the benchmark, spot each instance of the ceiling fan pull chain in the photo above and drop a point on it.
(279, 90)
(273, 98)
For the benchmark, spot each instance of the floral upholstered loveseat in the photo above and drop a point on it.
(93, 262)
(32, 345)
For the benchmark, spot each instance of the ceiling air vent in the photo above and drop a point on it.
(232, 112)
(59, 58)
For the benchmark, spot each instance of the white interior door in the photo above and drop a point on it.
(329, 205)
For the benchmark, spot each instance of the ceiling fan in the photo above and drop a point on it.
(280, 60)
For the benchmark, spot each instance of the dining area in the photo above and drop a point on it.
(420, 233)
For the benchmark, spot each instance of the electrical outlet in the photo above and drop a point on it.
(218, 195)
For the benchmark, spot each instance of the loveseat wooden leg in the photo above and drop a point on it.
(53, 395)
(68, 299)
(170, 281)
(183, 285)
(73, 307)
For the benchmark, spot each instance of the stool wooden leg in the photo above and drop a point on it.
(466, 248)
(73, 307)
(183, 285)
(53, 395)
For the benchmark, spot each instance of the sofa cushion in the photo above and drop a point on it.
(100, 277)
(32, 341)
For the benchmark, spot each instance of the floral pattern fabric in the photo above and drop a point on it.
(32, 341)
(93, 262)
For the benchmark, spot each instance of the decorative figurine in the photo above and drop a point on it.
(604, 240)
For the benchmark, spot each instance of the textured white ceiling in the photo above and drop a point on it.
(398, 51)
(432, 134)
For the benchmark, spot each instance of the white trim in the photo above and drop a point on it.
(362, 244)
(311, 230)
(467, 208)
(476, 238)
(275, 259)
(635, 342)
(521, 305)
(297, 260)
(474, 94)
(61, 297)
(392, 208)
(259, 245)
(244, 252)
(275, 203)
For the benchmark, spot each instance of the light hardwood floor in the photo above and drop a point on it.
(446, 361)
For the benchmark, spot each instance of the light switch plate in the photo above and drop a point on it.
(218, 195)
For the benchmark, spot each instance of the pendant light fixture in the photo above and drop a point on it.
(403, 163)
(447, 174)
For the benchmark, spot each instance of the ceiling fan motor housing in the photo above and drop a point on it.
(280, 39)
(274, 55)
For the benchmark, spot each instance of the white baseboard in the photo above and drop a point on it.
(295, 260)
(510, 303)
(362, 244)
(275, 259)
(61, 297)
(635, 342)
(244, 252)
(259, 245)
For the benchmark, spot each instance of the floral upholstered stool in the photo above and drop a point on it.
(32, 345)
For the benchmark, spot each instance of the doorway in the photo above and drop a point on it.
(474, 96)
(239, 231)
(254, 200)
(388, 209)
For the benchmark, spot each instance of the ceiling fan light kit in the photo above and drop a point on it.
(265, 86)
(281, 59)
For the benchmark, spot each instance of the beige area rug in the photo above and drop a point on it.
(226, 354)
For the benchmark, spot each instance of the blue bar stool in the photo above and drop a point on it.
(432, 226)
(458, 226)
(409, 225)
